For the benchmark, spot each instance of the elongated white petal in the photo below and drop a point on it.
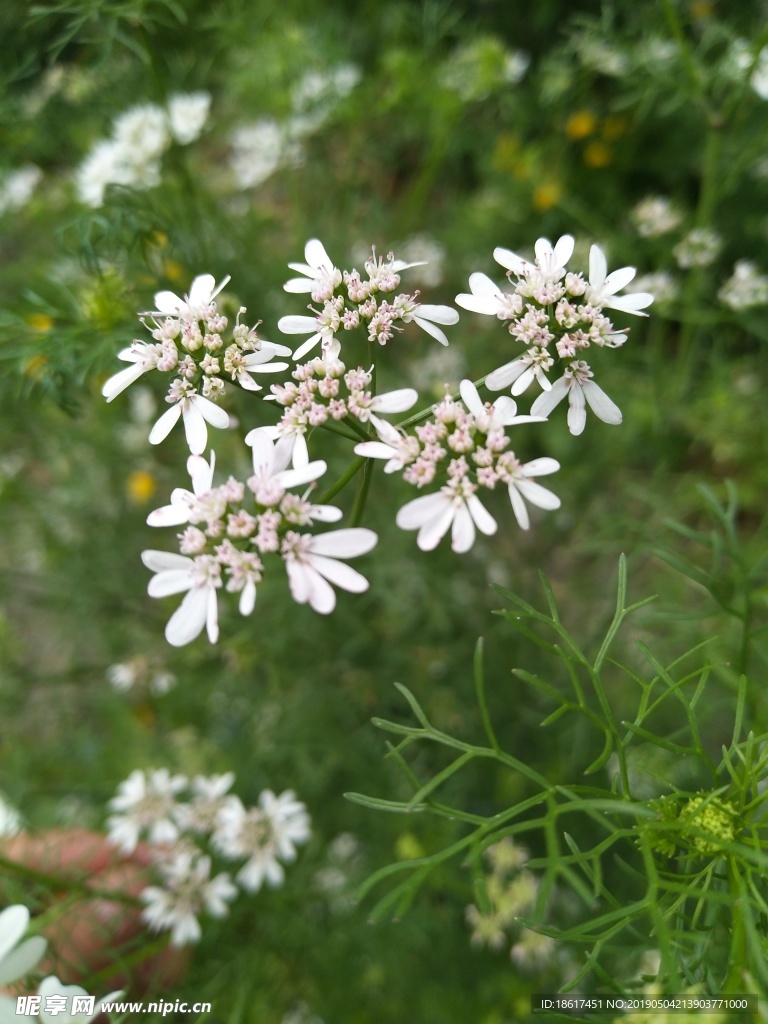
(511, 261)
(304, 475)
(399, 265)
(212, 616)
(438, 314)
(247, 598)
(547, 400)
(632, 303)
(202, 289)
(159, 561)
(194, 428)
(601, 405)
(281, 456)
(499, 379)
(357, 540)
(471, 398)
(316, 256)
(420, 510)
(481, 284)
(170, 581)
(538, 495)
(541, 467)
(213, 413)
(375, 450)
(168, 303)
(297, 285)
(13, 924)
(522, 382)
(20, 961)
(188, 621)
(340, 574)
(299, 581)
(300, 451)
(563, 250)
(322, 597)
(430, 328)
(307, 346)
(275, 347)
(519, 507)
(123, 379)
(297, 324)
(201, 473)
(262, 449)
(400, 400)
(326, 513)
(165, 424)
(505, 410)
(303, 268)
(483, 519)
(486, 304)
(618, 279)
(598, 268)
(577, 413)
(169, 515)
(462, 530)
(433, 531)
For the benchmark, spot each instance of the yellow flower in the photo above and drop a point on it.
(546, 195)
(40, 322)
(141, 486)
(35, 367)
(597, 154)
(581, 124)
(174, 271)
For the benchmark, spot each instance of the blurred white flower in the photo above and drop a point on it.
(59, 1002)
(654, 216)
(759, 77)
(145, 803)
(10, 819)
(122, 677)
(17, 187)
(17, 958)
(187, 891)
(698, 248)
(203, 811)
(142, 131)
(745, 288)
(662, 285)
(187, 114)
(257, 151)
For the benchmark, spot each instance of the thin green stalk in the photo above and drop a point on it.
(343, 480)
(362, 494)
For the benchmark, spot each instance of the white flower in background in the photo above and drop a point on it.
(455, 507)
(745, 288)
(313, 564)
(17, 187)
(315, 96)
(265, 835)
(106, 164)
(60, 1002)
(187, 891)
(145, 804)
(142, 131)
(257, 151)
(698, 248)
(662, 285)
(577, 384)
(603, 286)
(122, 677)
(516, 63)
(209, 798)
(759, 77)
(187, 114)
(10, 819)
(533, 951)
(550, 260)
(198, 579)
(17, 958)
(655, 216)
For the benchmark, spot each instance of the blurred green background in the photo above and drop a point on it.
(452, 128)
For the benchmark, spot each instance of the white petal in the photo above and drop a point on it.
(277, 349)
(483, 519)
(298, 581)
(215, 415)
(20, 961)
(505, 375)
(471, 398)
(169, 515)
(194, 428)
(168, 303)
(340, 574)
(247, 598)
(201, 473)
(300, 452)
(202, 289)
(188, 621)
(631, 303)
(541, 467)
(326, 513)
(375, 450)
(344, 543)
(518, 507)
(400, 400)
(263, 450)
(481, 284)
(321, 594)
(420, 510)
(563, 250)
(297, 285)
(430, 328)
(297, 324)
(438, 314)
(511, 261)
(523, 381)
(304, 475)
(505, 410)
(170, 581)
(547, 400)
(165, 424)
(121, 380)
(281, 457)
(618, 279)
(306, 346)
(538, 495)
(159, 561)
(486, 304)
(13, 923)
(463, 530)
(601, 405)
(433, 531)
(597, 267)
(316, 256)
(577, 413)
(212, 616)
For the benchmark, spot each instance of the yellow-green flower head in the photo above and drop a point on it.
(715, 817)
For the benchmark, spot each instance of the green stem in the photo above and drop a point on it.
(737, 957)
(362, 494)
(343, 480)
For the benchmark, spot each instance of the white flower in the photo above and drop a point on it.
(105, 165)
(271, 476)
(260, 361)
(199, 579)
(698, 248)
(142, 132)
(503, 412)
(183, 502)
(195, 305)
(142, 356)
(654, 216)
(309, 325)
(455, 507)
(257, 151)
(550, 260)
(745, 288)
(266, 835)
(16, 189)
(427, 317)
(488, 298)
(17, 958)
(10, 819)
(578, 386)
(202, 813)
(521, 372)
(399, 449)
(145, 802)
(662, 285)
(320, 278)
(602, 289)
(188, 890)
(58, 1002)
(312, 564)
(187, 114)
(521, 486)
(194, 410)
(759, 77)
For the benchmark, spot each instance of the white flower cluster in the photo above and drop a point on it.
(260, 147)
(185, 834)
(140, 673)
(350, 301)
(559, 315)
(467, 446)
(233, 528)
(188, 343)
(655, 216)
(131, 155)
(17, 187)
(745, 288)
(476, 69)
(18, 958)
(698, 248)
